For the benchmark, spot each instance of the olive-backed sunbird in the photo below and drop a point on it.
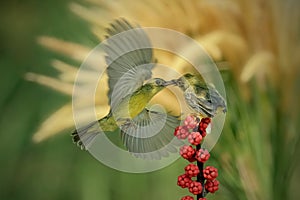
(202, 98)
(130, 61)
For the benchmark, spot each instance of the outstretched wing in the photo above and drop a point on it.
(150, 134)
(129, 58)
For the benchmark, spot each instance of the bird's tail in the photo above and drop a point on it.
(84, 136)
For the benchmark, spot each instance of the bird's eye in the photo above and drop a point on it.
(158, 82)
(179, 83)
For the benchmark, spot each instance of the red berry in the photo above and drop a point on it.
(195, 138)
(202, 155)
(187, 152)
(181, 132)
(204, 126)
(191, 170)
(176, 130)
(195, 187)
(202, 199)
(184, 181)
(210, 173)
(187, 198)
(190, 122)
(212, 186)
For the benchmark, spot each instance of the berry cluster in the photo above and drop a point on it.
(191, 170)
(181, 132)
(191, 198)
(187, 152)
(210, 173)
(204, 126)
(184, 181)
(195, 138)
(195, 131)
(187, 198)
(195, 187)
(202, 155)
(212, 186)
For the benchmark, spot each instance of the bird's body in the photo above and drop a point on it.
(135, 103)
(130, 106)
(202, 98)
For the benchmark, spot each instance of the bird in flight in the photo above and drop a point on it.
(130, 61)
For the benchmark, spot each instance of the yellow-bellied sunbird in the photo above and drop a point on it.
(203, 98)
(129, 95)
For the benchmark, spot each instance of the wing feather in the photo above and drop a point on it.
(150, 134)
(129, 57)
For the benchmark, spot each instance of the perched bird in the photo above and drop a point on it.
(130, 61)
(203, 98)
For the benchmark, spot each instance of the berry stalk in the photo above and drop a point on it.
(200, 177)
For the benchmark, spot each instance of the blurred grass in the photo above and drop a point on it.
(55, 169)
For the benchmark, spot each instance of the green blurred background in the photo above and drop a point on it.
(55, 169)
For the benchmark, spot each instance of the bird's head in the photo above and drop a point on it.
(156, 84)
(159, 82)
(221, 106)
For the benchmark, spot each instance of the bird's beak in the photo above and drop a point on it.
(171, 82)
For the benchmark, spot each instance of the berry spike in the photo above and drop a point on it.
(195, 130)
